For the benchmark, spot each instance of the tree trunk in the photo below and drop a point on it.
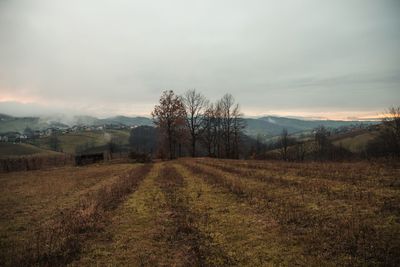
(193, 147)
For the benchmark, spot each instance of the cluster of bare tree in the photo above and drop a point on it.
(316, 146)
(192, 121)
(54, 142)
(223, 128)
(387, 142)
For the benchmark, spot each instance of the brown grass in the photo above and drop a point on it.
(59, 239)
(30, 163)
(355, 229)
(203, 212)
(191, 247)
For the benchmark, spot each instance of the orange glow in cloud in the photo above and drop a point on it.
(143, 109)
(4, 97)
(324, 115)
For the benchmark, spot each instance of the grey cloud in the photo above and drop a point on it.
(119, 55)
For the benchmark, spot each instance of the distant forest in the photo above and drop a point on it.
(191, 125)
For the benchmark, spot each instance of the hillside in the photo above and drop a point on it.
(355, 141)
(72, 142)
(11, 150)
(128, 120)
(117, 120)
(18, 124)
(270, 126)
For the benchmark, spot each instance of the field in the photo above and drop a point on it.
(356, 141)
(202, 212)
(15, 150)
(71, 141)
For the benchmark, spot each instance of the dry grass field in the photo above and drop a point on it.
(202, 212)
(8, 150)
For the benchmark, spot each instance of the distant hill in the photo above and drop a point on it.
(128, 121)
(18, 124)
(117, 120)
(356, 141)
(270, 126)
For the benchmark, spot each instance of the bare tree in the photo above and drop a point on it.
(391, 131)
(218, 130)
(238, 126)
(284, 143)
(142, 139)
(212, 130)
(223, 128)
(54, 142)
(300, 148)
(208, 136)
(112, 146)
(169, 116)
(322, 141)
(227, 103)
(195, 105)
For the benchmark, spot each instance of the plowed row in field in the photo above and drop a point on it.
(205, 212)
(67, 206)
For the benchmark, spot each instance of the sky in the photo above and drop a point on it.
(332, 59)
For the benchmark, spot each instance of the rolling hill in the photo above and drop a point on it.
(270, 126)
(14, 150)
(18, 124)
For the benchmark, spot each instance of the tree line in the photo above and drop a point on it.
(190, 122)
(387, 142)
(319, 145)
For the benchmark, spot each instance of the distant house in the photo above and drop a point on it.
(49, 131)
(12, 137)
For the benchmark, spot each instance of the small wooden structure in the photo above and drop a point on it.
(85, 159)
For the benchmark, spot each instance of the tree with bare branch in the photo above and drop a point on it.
(227, 104)
(238, 126)
(391, 130)
(284, 143)
(195, 105)
(169, 116)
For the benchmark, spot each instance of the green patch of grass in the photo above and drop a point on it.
(70, 142)
(14, 150)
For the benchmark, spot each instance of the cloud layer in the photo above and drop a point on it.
(109, 57)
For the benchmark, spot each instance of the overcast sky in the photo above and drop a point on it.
(336, 58)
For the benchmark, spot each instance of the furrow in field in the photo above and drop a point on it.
(189, 246)
(154, 227)
(314, 221)
(248, 237)
(130, 238)
(59, 241)
(361, 173)
(347, 194)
